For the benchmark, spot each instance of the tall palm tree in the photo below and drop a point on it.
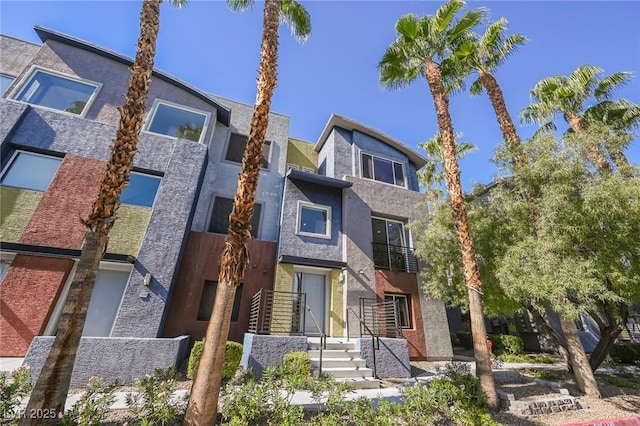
(568, 95)
(203, 401)
(420, 45)
(52, 386)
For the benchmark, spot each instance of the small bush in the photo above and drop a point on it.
(14, 386)
(625, 353)
(232, 357)
(297, 362)
(509, 344)
(454, 339)
(90, 409)
(464, 339)
(153, 403)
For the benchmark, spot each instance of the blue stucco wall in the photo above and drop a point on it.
(304, 246)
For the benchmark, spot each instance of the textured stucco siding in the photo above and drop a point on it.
(114, 77)
(11, 113)
(221, 176)
(28, 292)
(162, 245)
(284, 278)
(374, 146)
(336, 304)
(336, 154)
(259, 352)
(15, 55)
(16, 209)
(392, 358)
(302, 153)
(128, 231)
(105, 357)
(306, 246)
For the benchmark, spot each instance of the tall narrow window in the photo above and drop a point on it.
(402, 303)
(237, 145)
(105, 301)
(219, 220)
(178, 121)
(30, 171)
(382, 170)
(389, 248)
(58, 92)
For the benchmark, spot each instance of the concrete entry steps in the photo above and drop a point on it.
(342, 361)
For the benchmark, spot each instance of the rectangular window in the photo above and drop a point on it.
(5, 263)
(58, 92)
(292, 167)
(382, 170)
(141, 191)
(314, 220)
(209, 296)
(30, 171)
(308, 170)
(105, 301)
(403, 311)
(219, 221)
(178, 121)
(5, 82)
(237, 145)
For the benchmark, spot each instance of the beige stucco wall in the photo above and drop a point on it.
(17, 206)
(128, 230)
(302, 153)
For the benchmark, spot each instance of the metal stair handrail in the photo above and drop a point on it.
(323, 338)
(375, 339)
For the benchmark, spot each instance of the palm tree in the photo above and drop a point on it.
(419, 45)
(203, 401)
(52, 386)
(568, 95)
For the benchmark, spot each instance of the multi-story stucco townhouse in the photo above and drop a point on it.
(331, 253)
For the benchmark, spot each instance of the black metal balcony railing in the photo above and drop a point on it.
(277, 312)
(381, 318)
(394, 258)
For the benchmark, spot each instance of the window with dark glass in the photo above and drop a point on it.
(382, 170)
(141, 191)
(219, 221)
(57, 92)
(30, 171)
(209, 296)
(402, 303)
(237, 145)
(389, 251)
(177, 121)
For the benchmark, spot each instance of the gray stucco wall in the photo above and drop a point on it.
(15, 55)
(259, 352)
(221, 176)
(114, 77)
(11, 113)
(336, 153)
(112, 359)
(391, 358)
(181, 161)
(305, 246)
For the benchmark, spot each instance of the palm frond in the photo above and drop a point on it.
(585, 76)
(296, 16)
(536, 113)
(407, 26)
(476, 87)
(466, 23)
(179, 3)
(240, 5)
(398, 66)
(445, 13)
(610, 84)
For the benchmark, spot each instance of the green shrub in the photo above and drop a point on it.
(152, 402)
(232, 357)
(464, 339)
(14, 387)
(625, 353)
(297, 362)
(506, 343)
(90, 409)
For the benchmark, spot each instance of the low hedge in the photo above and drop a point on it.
(297, 362)
(625, 353)
(505, 343)
(232, 356)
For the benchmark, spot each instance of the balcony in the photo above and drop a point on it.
(394, 258)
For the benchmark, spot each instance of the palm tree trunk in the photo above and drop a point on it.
(461, 221)
(52, 386)
(593, 151)
(203, 401)
(581, 369)
(508, 128)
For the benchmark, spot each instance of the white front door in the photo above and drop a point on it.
(314, 286)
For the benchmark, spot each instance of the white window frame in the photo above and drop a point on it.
(13, 158)
(13, 79)
(35, 69)
(8, 258)
(309, 170)
(154, 109)
(384, 158)
(313, 206)
(291, 166)
(407, 298)
(266, 141)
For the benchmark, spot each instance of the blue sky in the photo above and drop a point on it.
(217, 50)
